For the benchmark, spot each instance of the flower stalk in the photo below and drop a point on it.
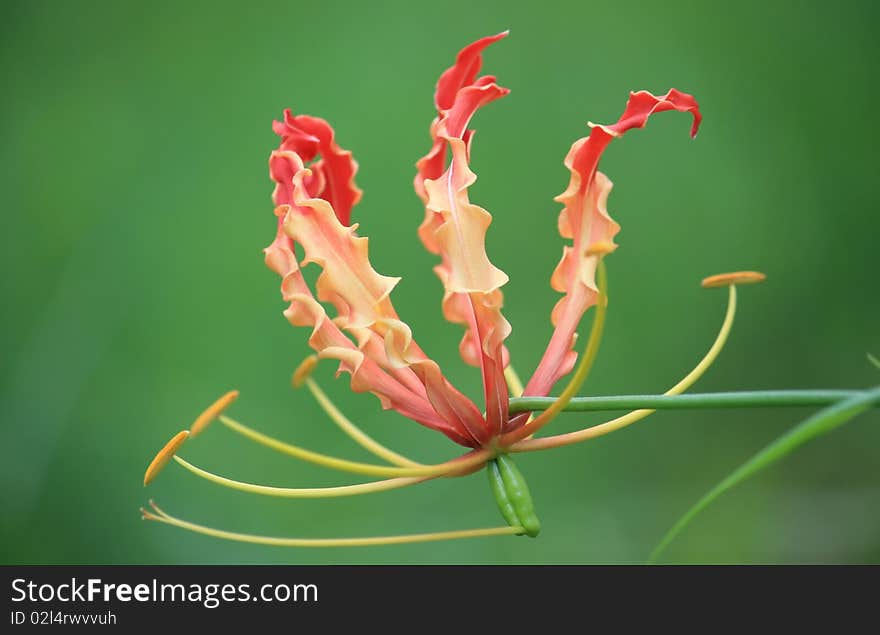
(692, 401)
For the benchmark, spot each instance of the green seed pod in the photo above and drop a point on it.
(505, 506)
(512, 495)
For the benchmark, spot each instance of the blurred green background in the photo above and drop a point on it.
(135, 191)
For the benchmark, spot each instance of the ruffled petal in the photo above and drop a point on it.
(455, 229)
(333, 174)
(347, 280)
(464, 72)
(367, 374)
(384, 360)
(585, 221)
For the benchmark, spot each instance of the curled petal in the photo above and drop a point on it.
(294, 138)
(367, 374)
(361, 296)
(455, 229)
(451, 404)
(384, 360)
(461, 238)
(376, 349)
(347, 280)
(464, 72)
(461, 75)
(472, 295)
(451, 124)
(642, 105)
(586, 222)
(333, 174)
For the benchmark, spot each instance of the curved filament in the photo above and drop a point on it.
(637, 415)
(160, 516)
(465, 464)
(359, 436)
(583, 368)
(302, 492)
(514, 383)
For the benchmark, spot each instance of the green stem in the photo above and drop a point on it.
(745, 399)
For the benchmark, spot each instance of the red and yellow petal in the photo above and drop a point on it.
(383, 359)
(585, 221)
(455, 229)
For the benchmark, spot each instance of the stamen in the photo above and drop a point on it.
(636, 415)
(359, 436)
(162, 517)
(456, 467)
(514, 383)
(164, 455)
(304, 492)
(152, 515)
(212, 412)
(735, 277)
(583, 369)
(304, 370)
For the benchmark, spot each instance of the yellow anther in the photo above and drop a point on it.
(734, 277)
(164, 456)
(600, 248)
(212, 412)
(304, 371)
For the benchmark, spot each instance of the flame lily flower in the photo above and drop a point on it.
(315, 195)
